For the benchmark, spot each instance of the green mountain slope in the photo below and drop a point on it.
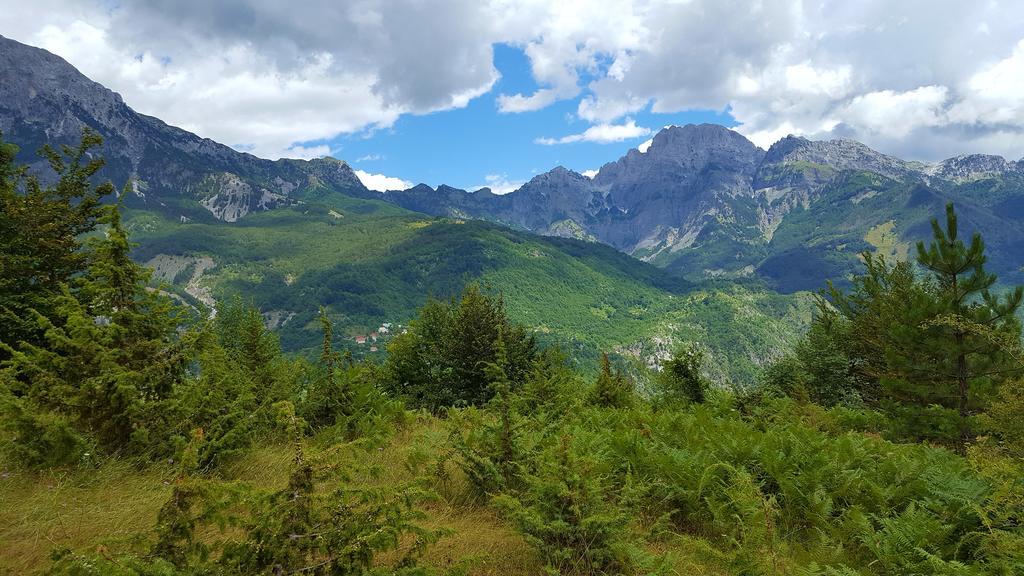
(858, 210)
(372, 263)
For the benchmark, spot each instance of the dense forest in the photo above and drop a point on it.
(139, 436)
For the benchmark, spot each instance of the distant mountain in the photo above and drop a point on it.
(707, 202)
(45, 100)
(292, 236)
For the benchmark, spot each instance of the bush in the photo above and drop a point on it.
(1005, 417)
(612, 389)
(442, 359)
(564, 511)
(301, 528)
(681, 378)
(38, 438)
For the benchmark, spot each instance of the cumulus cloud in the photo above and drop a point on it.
(267, 77)
(896, 114)
(995, 94)
(499, 184)
(380, 182)
(601, 133)
(923, 79)
(920, 78)
(523, 103)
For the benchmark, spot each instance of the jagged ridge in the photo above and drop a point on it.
(45, 100)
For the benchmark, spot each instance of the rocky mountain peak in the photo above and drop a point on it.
(446, 189)
(708, 139)
(420, 188)
(45, 100)
(559, 175)
(972, 167)
(841, 154)
(682, 153)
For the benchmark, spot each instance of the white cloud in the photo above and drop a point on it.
(370, 158)
(521, 103)
(766, 137)
(995, 94)
(869, 70)
(266, 77)
(593, 110)
(380, 182)
(601, 133)
(499, 184)
(896, 114)
(804, 78)
(922, 78)
(307, 152)
(590, 173)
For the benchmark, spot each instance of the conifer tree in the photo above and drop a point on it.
(502, 401)
(926, 342)
(111, 354)
(681, 376)
(443, 359)
(40, 233)
(241, 331)
(612, 389)
(328, 357)
(964, 295)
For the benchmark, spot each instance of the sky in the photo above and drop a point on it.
(474, 93)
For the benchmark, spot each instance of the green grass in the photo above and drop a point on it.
(797, 454)
(887, 242)
(115, 506)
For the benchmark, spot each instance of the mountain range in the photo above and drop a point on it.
(700, 200)
(705, 201)
(690, 238)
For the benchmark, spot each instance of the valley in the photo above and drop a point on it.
(710, 349)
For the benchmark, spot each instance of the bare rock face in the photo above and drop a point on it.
(687, 178)
(656, 200)
(234, 198)
(973, 167)
(839, 155)
(45, 100)
(705, 200)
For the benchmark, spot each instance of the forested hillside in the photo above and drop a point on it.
(139, 436)
(369, 263)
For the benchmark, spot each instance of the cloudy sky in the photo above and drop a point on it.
(490, 92)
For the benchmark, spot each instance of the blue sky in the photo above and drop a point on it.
(462, 147)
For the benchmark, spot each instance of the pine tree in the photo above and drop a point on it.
(964, 296)
(921, 346)
(443, 359)
(328, 357)
(241, 331)
(502, 401)
(112, 354)
(40, 234)
(612, 389)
